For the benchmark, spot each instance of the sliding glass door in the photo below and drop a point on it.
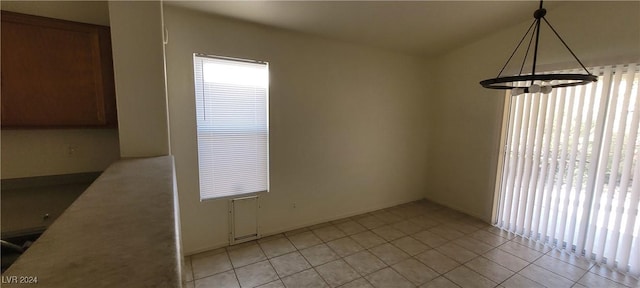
(571, 171)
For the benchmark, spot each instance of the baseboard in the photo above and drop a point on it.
(458, 209)
(341, 216)
(207, 248)
(311, 223)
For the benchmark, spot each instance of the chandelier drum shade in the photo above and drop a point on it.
(534, 83)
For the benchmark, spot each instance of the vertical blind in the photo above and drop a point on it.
(232, 100)
(571, 173)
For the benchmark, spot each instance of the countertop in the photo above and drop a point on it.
(121, 232)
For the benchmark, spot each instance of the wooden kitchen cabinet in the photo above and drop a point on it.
(55, 73)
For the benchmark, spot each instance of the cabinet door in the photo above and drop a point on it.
(55, 73)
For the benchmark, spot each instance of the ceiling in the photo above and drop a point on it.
(413, 27)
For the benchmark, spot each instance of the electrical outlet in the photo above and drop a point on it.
(72, 150)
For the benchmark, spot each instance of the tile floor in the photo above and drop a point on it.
(418, 244)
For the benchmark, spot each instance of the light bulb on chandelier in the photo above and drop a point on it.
(534, 88)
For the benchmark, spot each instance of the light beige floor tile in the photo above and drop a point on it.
(340, 221)
(189, 284)
(388, 233)
(462, 226)
(560, 267)
(358, 283)
(246, 255)
(207, 264)
(520, 251)
(441, 217)
(364, 262)
(387, 217)
(239, 246)
(519, 281)
(305, 279)
(420, 210)
(592, 280)
(256, 274)
(351, 227)
(388, 278)
(545, 277)
(370, 222)
(289, 264)
(473, 245)
(488, 238)
(437, 261)
(297, 231)
(487, 268)
(572, 259)
(329, 233)
(321, 225)
(506, 260)
(448, 215)
(270, 238)
(616, 276)
(221, 280)
(389, 254)
(345, 246)
(440, 282)
(475, 222)
(429, 238)
(187, 269)
(277, 247)
(396, 234)
(407, 227)
(415, 271)
(446, 232)
(410, 245)
(535, 245)
(412, 210)
(456, 252)
(360, 216)
(319, 254)
(398, 211)
(424, 221)
(304, 239)
(502, 233)
(337, 272)
(367, 239)
(274, 284)
(465, 277)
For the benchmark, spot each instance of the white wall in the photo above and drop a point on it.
(36, 152)
(466, 118)
(138, 61)
(29, 153)
(92, 12)
(348, 125)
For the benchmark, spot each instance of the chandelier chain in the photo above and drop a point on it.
(565, 45)
(515, 50)
(526, 54)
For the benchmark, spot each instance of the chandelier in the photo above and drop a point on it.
(534, 83)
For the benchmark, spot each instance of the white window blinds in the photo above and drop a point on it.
(571, 174)
(232, 100)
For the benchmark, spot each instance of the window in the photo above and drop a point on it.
(571, 173)
(232, 118)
